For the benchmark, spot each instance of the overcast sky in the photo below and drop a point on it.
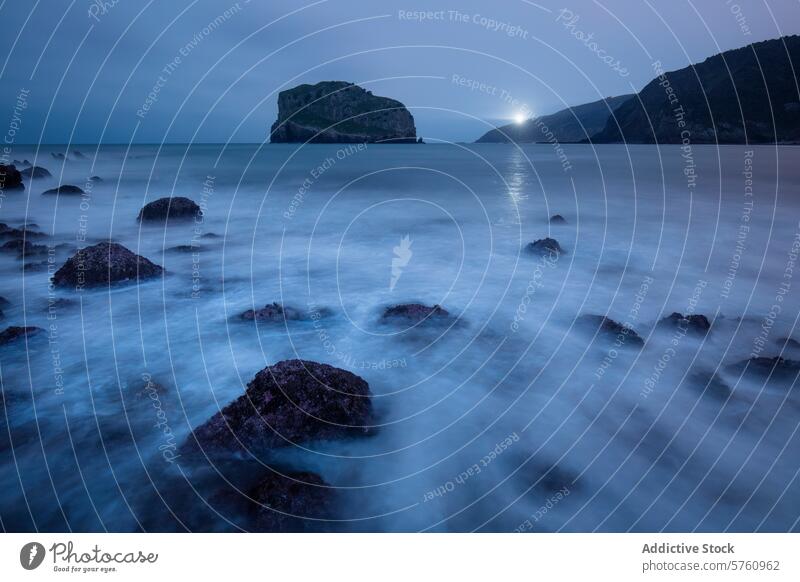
(203, 70)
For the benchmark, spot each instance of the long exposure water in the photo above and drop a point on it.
(510, 417)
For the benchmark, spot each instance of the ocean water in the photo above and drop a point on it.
(511, 417)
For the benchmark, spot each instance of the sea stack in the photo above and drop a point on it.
(340, 112)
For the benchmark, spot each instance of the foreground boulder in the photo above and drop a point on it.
(103, 264)
(693, 323)
(10, 178)
(177, 208)
(283, 501)
(558, 219)
(545, 247)
(274, 312)
(610, 329)
(67, 189)
(414, 313)
(35, 172)
(292, 401)
(14, 333)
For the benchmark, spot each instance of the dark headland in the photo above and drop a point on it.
(747, 95)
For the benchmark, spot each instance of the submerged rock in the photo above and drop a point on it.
(610, 329)
(776, 368)
(9, 232)
(544, 247)
(286, 499)
(95, 179)
(67, 189)
(709, 384)
(292, 401)
(185, 249)
(694, 323)
(14, 333)
(23, 248)
(558, 219)
(10, 178)
(788, 342)
(103, 264)
(274, 312)
(175, 208)
(35, 172)
(414, 312)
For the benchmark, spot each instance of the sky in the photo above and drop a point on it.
(121, 71)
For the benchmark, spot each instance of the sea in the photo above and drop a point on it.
(511, 416)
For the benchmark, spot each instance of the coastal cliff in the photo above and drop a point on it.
(746, 95)
(340, 112)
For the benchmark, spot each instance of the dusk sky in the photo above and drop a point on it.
(213, 69)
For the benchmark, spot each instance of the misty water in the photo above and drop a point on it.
(511, 417)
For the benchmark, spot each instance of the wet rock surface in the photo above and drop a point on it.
(10, 178)
(176, 208)
(35, 172)
(65, 189)
(292, 401)
(558, 219)
(694, 323)
(14, 333)
(414, 313)
(545, 247)
(611, 330)
(274, 312)
(764, 367)
(282, 501)
(102, 264)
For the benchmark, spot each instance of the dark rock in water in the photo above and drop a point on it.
(169, 208)
(10, 178)
(710, 384)
(58, 155)
(693, 323)
(58, 303)
(340, 112)
(274, 312)
(185, 249)
(553, 479)
(788, 342)
(35, 172)
(292, 401)
(610, 329)
(776, 368)
(95, 179)
(4, 302)
(284, 500)
(544, 247)
(78, 155)
(67, 189)
(103, 264)
(558, 219)
(23, 248)
(8, 232)
(13, 333)
(414, 312)
(211, 235)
